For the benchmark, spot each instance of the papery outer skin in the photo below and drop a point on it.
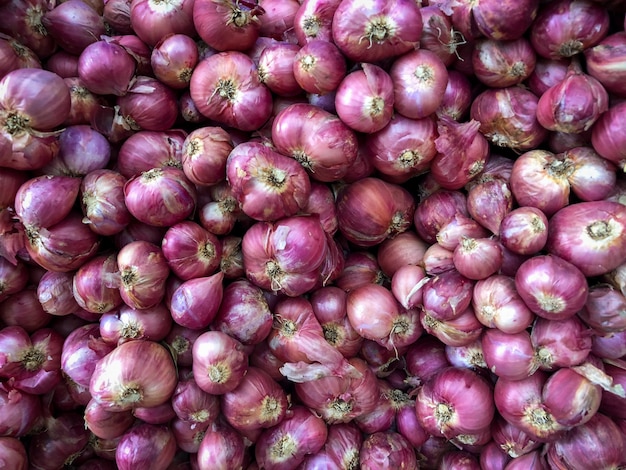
(146, 446)
(247, 407)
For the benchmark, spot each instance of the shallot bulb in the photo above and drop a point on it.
(143, 272)
(589, 235)
(503, 63)
(376, 31)
(552, 287)
(225, 25)
(365, 99)
(317, 139)
(341, 399)
(285, 256)
(223, 89)
(135, 374)
(257, 402)
(219, 362)
(288, 443)
(204, 155)
(267, 185)
(376, 315)
(497, 304)
(388, 448)
(297, 339)
(455, 401)
(102, 201)
(191, 251)
(508, 117)
(195, 302)
(564, 28)
(403, 149)
(371, 210)
(558, 111)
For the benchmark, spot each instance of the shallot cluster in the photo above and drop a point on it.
(312, 234)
